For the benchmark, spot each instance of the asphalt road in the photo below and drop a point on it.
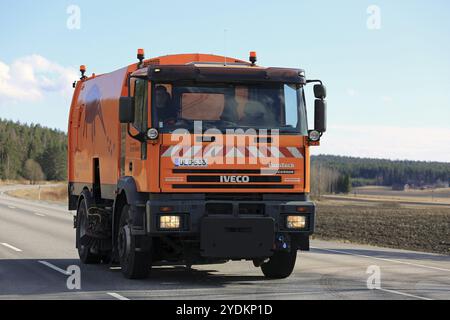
(37, 246)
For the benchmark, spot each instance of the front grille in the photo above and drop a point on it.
(252, 179)
(233, 171)
(228, 179)
(233, 186)
(252, 208)
(219, 208)
(233, 197)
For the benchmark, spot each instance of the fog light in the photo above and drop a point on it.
(169, 222)
(296, 222)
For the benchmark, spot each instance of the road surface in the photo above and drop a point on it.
(37, 246)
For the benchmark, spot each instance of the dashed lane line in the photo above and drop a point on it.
(383, 259)
(39, 214)
(403, 294)
(117, 296)
(7, 245)
(52, 266)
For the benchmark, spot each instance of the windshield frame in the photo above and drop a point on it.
(301, 130)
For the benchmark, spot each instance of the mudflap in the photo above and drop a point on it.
(237, 237)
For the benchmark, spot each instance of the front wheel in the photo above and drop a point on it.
(85, 243)
(280, 265)
(135, 264)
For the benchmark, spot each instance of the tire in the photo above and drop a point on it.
(85, 252)
(134, 264)
(280, 265)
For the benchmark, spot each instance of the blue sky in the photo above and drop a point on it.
(389, 89)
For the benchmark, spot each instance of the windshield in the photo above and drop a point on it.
(259, 106)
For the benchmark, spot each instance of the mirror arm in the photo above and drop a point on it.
(314, 81)
(139, 137)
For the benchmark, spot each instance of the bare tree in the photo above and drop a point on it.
(323, 180)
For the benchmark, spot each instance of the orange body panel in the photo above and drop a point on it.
(95, 133)
(94, 129)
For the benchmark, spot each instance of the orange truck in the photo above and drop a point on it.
(192, 159)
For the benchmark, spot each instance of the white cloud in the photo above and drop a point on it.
(407, 143)
(32, 78)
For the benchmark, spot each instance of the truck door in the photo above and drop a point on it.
(133, 163)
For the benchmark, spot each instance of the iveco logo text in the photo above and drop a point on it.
(235, 179)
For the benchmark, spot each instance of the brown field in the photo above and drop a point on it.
(53, 193)
(385, 224)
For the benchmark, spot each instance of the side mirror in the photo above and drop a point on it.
(126, 109)
(320, 91)
(320, 115)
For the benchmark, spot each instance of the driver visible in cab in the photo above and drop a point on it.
(166, 114)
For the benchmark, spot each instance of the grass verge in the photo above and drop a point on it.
(53, 193)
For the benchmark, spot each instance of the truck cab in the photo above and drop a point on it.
(212, 164)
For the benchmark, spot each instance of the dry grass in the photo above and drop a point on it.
(11, 182)
(389, 225)
(53, 193)
(25, 182)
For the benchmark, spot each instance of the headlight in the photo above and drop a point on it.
(152, 134)
(296, 222)
(169, 222)
(314, 135)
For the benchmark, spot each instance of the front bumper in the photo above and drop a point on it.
(232, 227)
(194, 207)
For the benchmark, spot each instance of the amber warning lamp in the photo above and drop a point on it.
(83, 71)
(140, 56)
(252, 57)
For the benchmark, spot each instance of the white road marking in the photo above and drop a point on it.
(115, 268)
(117, 296)
(10, 247)
(383, 259)
(51, 266)
(39, 214)
(12, 207)
(403, 294)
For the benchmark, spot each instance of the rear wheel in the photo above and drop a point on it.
(135, 264)
(85, 243)
(280, 265)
